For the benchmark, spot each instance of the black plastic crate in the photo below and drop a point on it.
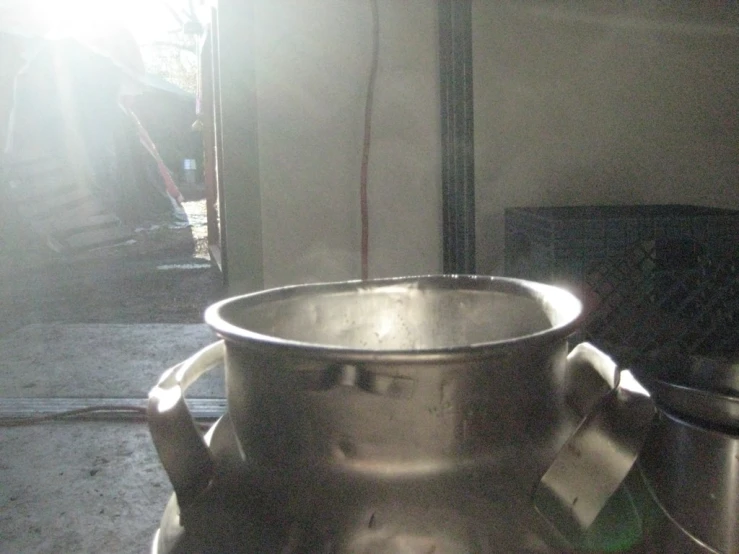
(637, 304)
(656, 276)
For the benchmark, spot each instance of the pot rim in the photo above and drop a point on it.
(556, 302)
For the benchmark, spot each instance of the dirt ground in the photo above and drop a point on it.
(132, 282)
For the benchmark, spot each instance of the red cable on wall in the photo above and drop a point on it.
(364, 204)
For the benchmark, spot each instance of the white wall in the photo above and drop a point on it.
(602, 102)
(312, 64)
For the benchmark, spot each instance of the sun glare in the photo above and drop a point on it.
(90, 19)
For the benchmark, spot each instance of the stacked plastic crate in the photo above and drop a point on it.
(652, 277)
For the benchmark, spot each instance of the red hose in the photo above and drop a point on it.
(364, 204)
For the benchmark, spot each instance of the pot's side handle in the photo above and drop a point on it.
(617, 416)
(184, 454)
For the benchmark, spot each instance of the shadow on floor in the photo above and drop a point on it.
(135, 282)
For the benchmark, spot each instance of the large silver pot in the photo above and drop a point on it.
(446, 392)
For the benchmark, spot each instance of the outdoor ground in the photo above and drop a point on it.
(94, 485)
(129, 283)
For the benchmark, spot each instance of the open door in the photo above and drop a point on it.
(208, 114)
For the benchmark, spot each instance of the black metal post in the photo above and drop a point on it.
(457, 140)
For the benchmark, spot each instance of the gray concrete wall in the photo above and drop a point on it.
(602, 102)
(312, 64)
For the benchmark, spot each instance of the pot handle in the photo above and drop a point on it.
(617, 414)
(181, 448)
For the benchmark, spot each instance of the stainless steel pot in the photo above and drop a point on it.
(692, 474)
(701, 389)
(426, 390)
(690, 460)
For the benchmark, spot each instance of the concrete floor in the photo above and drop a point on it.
(92, 486)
